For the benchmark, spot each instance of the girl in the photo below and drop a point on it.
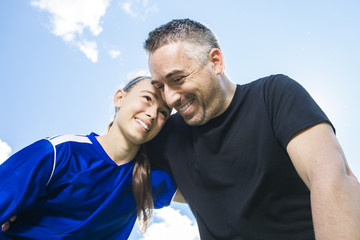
(89, 187)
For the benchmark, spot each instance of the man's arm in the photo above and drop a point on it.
(335, 191)
(179, 197)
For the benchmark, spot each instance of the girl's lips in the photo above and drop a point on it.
(143, 124)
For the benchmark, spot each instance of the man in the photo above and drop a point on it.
(253, 161)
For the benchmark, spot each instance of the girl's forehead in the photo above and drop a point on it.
(144, 85)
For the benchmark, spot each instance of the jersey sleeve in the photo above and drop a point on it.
(291, 108)
(163, 188)
(24, 177)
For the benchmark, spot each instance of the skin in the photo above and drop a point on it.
(142, 103)
(198, 92)
(315, 152)
(6, 225)
(335, 191)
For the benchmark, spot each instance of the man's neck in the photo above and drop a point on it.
(228, 88)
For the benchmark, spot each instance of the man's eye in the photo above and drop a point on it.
(178, 79)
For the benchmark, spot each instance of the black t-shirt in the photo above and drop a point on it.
(235, 172)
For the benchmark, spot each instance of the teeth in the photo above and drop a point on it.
(186, 106)
(143, 124)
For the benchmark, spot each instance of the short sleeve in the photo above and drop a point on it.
(24, 177)
(163, 188)
(291, 108)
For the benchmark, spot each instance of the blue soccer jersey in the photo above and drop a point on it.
(67, 187)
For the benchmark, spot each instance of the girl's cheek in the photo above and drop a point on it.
(162, 122)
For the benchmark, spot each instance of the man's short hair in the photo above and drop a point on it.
(198, 40)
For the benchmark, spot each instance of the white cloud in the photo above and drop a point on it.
(172, 226)
(69, 18)
(137, 8)
(141, 72)
(127, 8)
(114, 53)
(5, 151)
(89, 49)
(152, 9)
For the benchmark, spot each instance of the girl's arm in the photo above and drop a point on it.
(24, 177)
(163, 188)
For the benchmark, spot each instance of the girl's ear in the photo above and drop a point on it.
(119, 95)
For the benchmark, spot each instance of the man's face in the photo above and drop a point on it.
(192, 89)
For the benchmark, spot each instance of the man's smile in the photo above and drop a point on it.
(186, 106)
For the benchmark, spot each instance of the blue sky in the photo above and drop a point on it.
(61, 61)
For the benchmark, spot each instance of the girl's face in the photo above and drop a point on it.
(141, 112)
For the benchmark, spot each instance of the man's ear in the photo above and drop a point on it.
(216, 58)
(118, 97)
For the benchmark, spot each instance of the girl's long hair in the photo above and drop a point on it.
(142, 189)
(141, 182)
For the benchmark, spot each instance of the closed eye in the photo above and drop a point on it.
(164, 113)
(159, 86)
(178, 79)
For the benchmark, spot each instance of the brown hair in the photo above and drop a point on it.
(142, 188)
(141, 182)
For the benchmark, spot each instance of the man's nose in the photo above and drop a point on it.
(171, 96)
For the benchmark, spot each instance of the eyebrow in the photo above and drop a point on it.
(152, 93)
(168, 76)
(155, 82)
(171, 74)
(156, 97)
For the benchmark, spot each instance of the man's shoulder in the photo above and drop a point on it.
(277, 78)
(271, 83)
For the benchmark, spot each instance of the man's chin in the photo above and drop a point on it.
(194, 120)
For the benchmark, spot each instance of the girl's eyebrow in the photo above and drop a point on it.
(156, 97)
(152, 93)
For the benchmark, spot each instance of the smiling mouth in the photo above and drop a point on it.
(186, 106)
(146, 127)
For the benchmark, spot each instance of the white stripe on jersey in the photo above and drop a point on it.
(65, 138)
(69, 138)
